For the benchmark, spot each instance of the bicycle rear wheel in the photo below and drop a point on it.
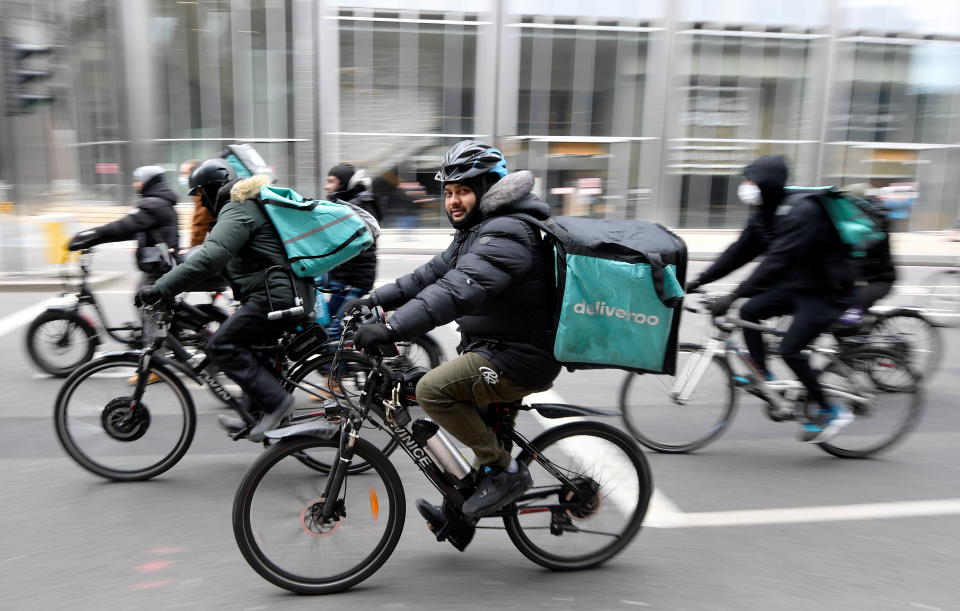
(277, 523)
(595, 511)
(417, 352)
(925, 343)
(661, 420)
(320, 380)
(893, 408)
(100, 426)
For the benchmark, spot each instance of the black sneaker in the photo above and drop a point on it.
(496, 488)
(444, 527)
(272, 420)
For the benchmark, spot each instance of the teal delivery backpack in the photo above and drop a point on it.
(858, 223)
(620, 285)
(317, 235)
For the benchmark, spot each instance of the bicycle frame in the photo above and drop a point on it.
(770, 391)
(394, 418)
(204, 372)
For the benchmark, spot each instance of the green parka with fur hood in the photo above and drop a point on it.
(242, 244)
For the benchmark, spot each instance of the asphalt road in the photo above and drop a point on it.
(755, 521)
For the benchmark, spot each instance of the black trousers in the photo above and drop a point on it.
(868, 294)
(230, 349)
(812, 315)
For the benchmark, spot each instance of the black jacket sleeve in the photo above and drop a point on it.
(140, 219)
(751, 244)
(405, 288)
(500, 253)
(795, 233)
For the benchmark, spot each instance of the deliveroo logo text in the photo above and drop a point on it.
(600, 308)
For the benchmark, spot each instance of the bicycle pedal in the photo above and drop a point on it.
(778, 416)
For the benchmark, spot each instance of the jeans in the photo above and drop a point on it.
(342, 293)
(812, 315)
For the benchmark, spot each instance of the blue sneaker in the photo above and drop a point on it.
(830, 423)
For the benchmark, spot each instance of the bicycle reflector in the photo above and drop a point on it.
(374, 504)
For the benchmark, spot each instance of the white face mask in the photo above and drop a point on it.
(184, 180)
(749, 194)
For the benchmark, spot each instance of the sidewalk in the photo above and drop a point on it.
(930, 248)
(918, 248)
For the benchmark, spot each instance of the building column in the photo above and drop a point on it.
(139, 103)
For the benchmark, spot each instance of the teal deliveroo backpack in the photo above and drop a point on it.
(317, 235)
(620, 292)
(857, 222)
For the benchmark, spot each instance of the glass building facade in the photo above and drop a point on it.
(621, 108)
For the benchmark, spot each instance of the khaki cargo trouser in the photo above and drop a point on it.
(451, 395)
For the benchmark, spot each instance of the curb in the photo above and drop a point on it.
(47, 283)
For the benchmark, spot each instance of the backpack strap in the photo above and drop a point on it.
(656, 271)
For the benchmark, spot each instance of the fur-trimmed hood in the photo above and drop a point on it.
(513, 193)
(249, 188)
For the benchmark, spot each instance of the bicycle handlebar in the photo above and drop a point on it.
(727, 321)
(294, 312)
(744, 324)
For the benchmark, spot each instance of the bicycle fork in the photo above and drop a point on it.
(693, 370)
(332, 507)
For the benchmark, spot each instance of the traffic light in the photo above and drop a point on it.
(18, 76)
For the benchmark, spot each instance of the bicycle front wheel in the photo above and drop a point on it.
(681, 413)
(60, 341)
(923, 339)
(279, 528)
(108, 433)
(881, 391)
(320, 380)
(591, 489)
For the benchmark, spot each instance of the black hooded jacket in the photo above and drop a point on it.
(361, 271)
(153, 219)
(770, 175)
(496, 280)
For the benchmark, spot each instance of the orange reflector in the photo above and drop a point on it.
(374, 504)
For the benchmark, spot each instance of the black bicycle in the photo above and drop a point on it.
(128, 415)
(62, 338)
(319, 534)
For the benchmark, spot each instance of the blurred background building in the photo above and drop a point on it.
(622, 108)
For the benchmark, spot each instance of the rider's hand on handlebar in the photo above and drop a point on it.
(147, 295)
(82, 240)
(720, 306)
(375, 338)
(692, 286)
(360, 302)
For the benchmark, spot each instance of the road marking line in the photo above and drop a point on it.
(825, 513)
(661, 508)
(18, 319)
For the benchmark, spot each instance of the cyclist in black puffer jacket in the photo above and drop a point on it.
(153, 220)
(496, 280)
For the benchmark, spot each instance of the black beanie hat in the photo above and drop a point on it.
(343, 172)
